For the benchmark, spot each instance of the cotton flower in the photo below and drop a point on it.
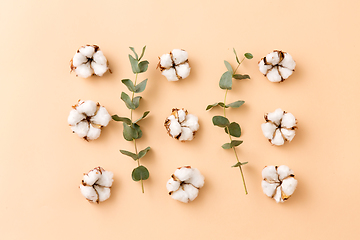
(185, 183)
(181, 125)
(89, 60)
(279, 127)
(278, 182)
(95, 186)
(87, 118)
(175, 65)
(277, 66)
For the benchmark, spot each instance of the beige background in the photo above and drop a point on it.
(43, 162)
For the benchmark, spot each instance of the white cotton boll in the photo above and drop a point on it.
(284, 171)
(172, 185)
(91, 177)
(191, 191)
(183, 70)
(87, 51)
(180, 195)
(99, 69)
(93, 133)
(102, 117)
(81, 129)
(170, 74)
(78, 59)
(104, 192)
(183, 173)
(84, 70)
(181, 115)
(275, 116)
(288, 120)
(269, 188)
(106, 179)
(288, 134)
(288, 186)
(288, 62)
(87, 107)
(277, 196)
(99, 58)
(270, 174)
(179, 56)
(175, 128)
(186, 134)
(285, 73)
(278, 139)
(273, 75)
(166, 61)
(273, 58)
(191, 121)
(89, 193)
(196, 179)
(268, 129)
(263, 67)
(75, 117)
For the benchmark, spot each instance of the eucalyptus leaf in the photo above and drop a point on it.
(143, 66)
(129, 132)
(137, 129)
(127, 100)
(226, 146)
(136, 101)
(237, 59)
(142, 53)
(235, 143)
(142, 153)
(211, 106)
(140, 87)
(220, 121)
(239, 164)
(240, 76)
(235, 104)
(130, 154)
(226, 81)
(140, 173)
(121, 119)
(221, 104)
(136, 56)
(129, 84)
(228, 66)
(134, 64)
(234, 129)
(143, 116)
(248, 55)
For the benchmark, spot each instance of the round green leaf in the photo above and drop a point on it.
(220, 121)
(226, 146)
(234, 129)
(140, 87)
(140, 173)
(226, 81)
(228, 66)
(248, 55)
(235, 104)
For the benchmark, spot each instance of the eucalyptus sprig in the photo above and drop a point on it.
(231, 128)
(132, 130)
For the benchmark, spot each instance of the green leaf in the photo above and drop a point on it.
(237, 59)
(220, 121)
(235, 104)
(140, 87)
(235, 143)
(129, 132)
(142, 53)
(239, 164)
(239, 76)
(143, 66)
(221, 104)
(132, 49)
(226, 146)
(121, 119)
(140, 173)
(234, 129)
(142, 153)
(226, 81)
(248, 55)
(130, 154)
(211, 106)
(129, 84)
(127, 100)
(136, 101)
(143, 116)
(228, 66)
(134, 64)
(138, 131)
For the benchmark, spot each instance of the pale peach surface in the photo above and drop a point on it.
(43, 162)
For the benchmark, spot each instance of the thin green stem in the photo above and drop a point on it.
(239, 65)
(225, 101)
